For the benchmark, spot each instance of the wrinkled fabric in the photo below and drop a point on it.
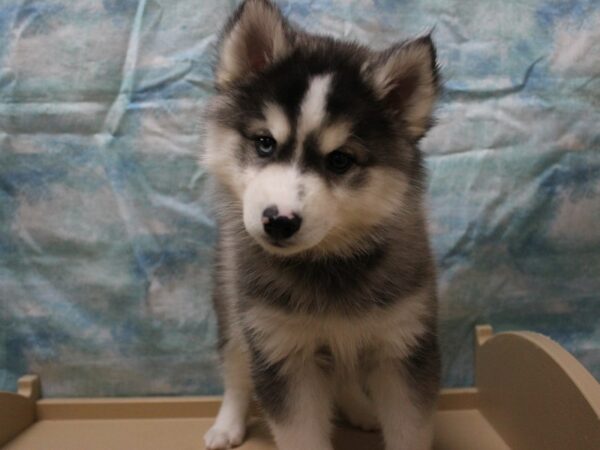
(106, 237)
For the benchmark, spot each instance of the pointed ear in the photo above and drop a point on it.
(405, 78)
(255, 37)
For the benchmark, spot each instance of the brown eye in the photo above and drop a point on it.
(339, 162)
(265, 146)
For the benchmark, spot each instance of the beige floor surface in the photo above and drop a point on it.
(455, 430)
(536, 395)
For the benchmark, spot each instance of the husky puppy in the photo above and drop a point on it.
(324, 286)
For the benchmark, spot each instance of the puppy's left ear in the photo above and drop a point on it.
(405, 78)
(255, 37)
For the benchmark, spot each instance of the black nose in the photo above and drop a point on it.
(280, 227)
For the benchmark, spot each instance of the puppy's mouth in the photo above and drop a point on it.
(278, 243)
(278, 247)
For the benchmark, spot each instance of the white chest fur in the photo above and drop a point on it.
(389, 332)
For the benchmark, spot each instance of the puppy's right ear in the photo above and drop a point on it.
(255, 37)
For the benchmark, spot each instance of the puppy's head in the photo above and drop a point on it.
(316, 138)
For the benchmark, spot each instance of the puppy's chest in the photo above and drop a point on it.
(345, 341)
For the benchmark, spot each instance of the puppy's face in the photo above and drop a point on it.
(316, 138)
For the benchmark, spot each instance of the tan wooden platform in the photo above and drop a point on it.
(530, 394)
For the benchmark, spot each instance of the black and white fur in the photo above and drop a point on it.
(338, 319)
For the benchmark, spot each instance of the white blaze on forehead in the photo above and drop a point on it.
(277, 122)
(314, 104)
(334, 136)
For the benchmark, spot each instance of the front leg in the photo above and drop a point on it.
(296, 398)
(229, 428)
(404, 392)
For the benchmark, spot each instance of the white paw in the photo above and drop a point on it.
(362, 419)
(222, 438)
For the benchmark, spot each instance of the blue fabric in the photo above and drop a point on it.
(105, 238)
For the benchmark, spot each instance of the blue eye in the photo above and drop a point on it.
(339, 162)
(265, 145)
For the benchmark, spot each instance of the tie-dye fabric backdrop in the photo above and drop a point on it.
(105, 238)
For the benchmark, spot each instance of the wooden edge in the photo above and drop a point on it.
(182, 407)
(29, 387)
(535, 393)
(17, 411)
(127, 408)
(456, 399)
(573, 370)
(482, 334)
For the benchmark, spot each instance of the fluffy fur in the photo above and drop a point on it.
(339, 318)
